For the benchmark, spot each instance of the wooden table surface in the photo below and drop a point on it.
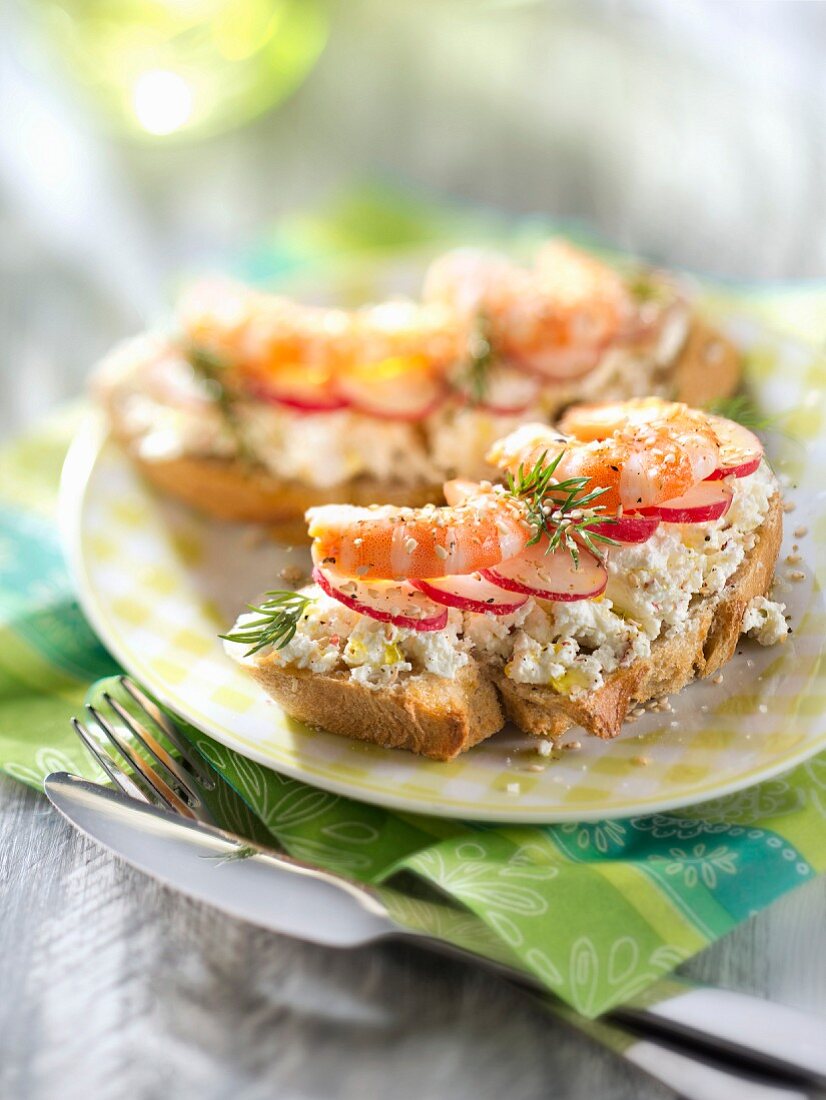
(111, 985)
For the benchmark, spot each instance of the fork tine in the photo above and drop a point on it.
(190, 759)
(155, 749)
(169, 797)
(115, 773)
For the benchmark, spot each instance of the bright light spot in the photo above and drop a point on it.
(162, 101)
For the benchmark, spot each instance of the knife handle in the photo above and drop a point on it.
(695, 1074)
(769, 1035)
(695, 1079)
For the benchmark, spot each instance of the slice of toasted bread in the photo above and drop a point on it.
(234, 490)
(708, 367)
(440, 718)
(707, 642)
(426, 714)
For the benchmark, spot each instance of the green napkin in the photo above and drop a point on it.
(599, 911)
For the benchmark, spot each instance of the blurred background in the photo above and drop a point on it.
(146, 138)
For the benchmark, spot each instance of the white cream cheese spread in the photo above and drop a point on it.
(765, 621)
(330, 637)
(570, 647)
(168, 410)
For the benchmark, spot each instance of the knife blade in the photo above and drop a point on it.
(269, 890)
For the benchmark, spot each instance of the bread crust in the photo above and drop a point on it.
(235, 490)
(426, 714)
(708, 368)
(441, 718)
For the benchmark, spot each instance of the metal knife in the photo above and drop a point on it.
(295, 899)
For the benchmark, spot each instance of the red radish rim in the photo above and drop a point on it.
(645, 525)
(740, 449)
(463, 603)
(689, 514)
(436, 622)
(742, 470)
(542, 593)
(331, 402)
(408, 417)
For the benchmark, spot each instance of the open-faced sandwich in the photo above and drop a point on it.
(257, 407)
(623, 556)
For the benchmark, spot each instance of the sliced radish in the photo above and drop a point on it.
(704, 502)
(470, 592)
(391, 391)
(560, 364)
(743, 470)
(740, 449)
(297, 388)
(551, 576)
(387, 601)
(509, 392)
(628, 528)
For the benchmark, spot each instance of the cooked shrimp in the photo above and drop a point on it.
(416, 543)
(262, 334)
(556, 319)
(639, 465)
(601, 420)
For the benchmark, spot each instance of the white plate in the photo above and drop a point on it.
(159, 583)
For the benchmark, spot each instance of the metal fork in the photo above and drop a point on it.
(179, 786)
(182, 787)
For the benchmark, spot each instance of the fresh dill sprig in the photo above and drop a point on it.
(742, 410)
(480, 361)
(212, 371)
(559, 510)
(277, 622)
(644, 287)
(243, 851)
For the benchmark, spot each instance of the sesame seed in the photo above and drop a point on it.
(718, 679)
(763, 708)
(714, 352)
(410, 545)
(800, 532)
(642, 761)
(788, 505)
(573, 745)
(441, 553)
(793, 559)
(292, 574)
(545, 748)
(797, 575)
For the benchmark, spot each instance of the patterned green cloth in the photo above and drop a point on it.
(599, 911)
